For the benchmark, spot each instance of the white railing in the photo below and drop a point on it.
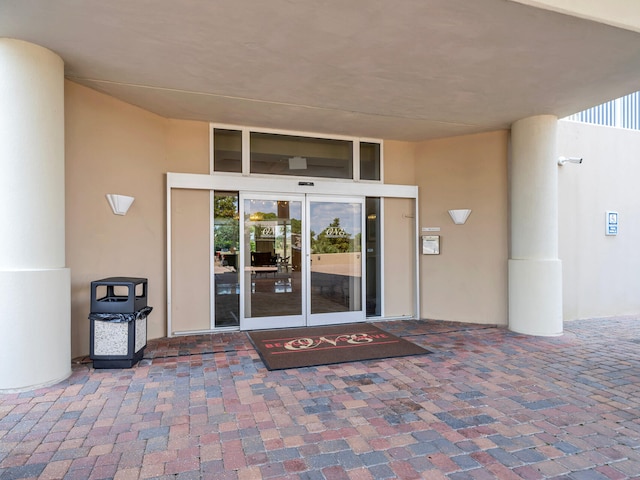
(622, 113)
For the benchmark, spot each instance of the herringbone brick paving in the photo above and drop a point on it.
(487, 403)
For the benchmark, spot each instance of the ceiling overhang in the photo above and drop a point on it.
(410, 70)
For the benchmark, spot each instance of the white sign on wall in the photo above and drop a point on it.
(611, 223)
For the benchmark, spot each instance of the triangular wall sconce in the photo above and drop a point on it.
(460, 216)
(119, 203)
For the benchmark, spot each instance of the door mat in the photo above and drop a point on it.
(312, 346)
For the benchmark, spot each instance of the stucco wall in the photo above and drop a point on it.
(399, 163)
(399, 226)
(114, 147)
(601, 274)
(467, 282)
(190, 269)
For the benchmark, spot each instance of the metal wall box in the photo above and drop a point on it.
(430, 244)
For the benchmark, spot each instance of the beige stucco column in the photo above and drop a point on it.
(35, 317)
(535, 272)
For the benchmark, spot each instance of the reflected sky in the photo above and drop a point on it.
(323, 213)
(271, 206)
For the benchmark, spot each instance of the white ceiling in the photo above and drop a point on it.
(405, 70)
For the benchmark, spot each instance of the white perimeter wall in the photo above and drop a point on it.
(601, 274)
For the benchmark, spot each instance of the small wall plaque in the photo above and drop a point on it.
(431, 244)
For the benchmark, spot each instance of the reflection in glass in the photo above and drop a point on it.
(336, 264)
(369, 161)
(227, 150)
(273, 261)
(374, 294)
(302, 156)
(226, 227)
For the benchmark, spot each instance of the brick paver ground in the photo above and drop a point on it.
(487, 403)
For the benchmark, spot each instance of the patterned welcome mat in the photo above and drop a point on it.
(311, 346)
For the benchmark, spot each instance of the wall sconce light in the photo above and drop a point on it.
(460, 216)
(563, 160)
(119, 203)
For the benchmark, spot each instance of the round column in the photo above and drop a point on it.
(35, 305)
(535, 272)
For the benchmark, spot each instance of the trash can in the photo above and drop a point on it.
(118, 318)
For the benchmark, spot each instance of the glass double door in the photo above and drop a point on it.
(301, 258)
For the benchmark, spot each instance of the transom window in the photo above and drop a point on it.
(239, 150)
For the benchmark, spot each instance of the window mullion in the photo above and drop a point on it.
(356, 160)
(246, 152)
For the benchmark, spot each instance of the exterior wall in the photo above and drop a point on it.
(188, 152)
(601, 274)
(399, 163)
(467, 282)
(187, 146)
(114, 147)
(190, 269)
(399, 220)
(399, 257)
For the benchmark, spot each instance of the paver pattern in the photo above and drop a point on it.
(487, 403)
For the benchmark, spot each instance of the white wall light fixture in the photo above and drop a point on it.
(460, 216)
(119, 203)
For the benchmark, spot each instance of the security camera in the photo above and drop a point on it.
(563, 160)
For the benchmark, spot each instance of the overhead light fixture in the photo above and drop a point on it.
(119, 203)
(563, 160)
(460, 216)
(297, 163)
